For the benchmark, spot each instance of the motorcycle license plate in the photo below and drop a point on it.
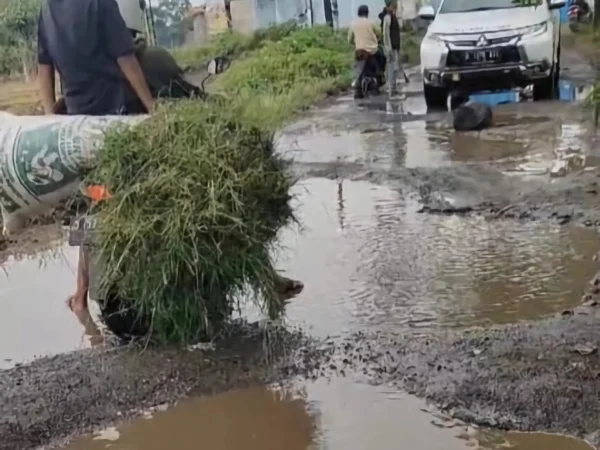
(81, 230)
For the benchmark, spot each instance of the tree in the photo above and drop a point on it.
(171, 22)
(18, 34)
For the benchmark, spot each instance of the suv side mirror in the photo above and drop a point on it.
(556, 4)
(427, 12)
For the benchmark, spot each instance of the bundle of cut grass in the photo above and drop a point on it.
(198, 198)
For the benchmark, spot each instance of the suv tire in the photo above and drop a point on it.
(435, 97)
(547, 88)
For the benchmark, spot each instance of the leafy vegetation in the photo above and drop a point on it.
(18, 36)
(171, 22)
(231, 44)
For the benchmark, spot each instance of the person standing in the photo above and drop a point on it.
(391, 43)
(88, 43)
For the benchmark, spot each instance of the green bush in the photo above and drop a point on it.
(231, 44)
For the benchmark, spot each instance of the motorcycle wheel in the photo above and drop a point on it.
(123, 321)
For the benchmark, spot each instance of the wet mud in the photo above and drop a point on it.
(55, 397)
(412, 235)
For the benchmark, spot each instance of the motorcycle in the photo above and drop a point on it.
(126, 324)
(578, 15)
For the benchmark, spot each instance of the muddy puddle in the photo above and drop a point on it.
(370, 259)
(337, 415)
(542, 138)
(36, 276)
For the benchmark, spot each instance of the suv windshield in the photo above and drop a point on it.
(460, 6)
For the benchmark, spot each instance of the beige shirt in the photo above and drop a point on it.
(364, 33)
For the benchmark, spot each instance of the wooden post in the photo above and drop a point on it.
(328, 12)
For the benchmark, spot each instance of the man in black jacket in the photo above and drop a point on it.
(391, 43)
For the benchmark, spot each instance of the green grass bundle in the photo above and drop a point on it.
(198, 200)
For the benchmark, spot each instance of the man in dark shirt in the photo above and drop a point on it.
(391, 43)
(89, 45)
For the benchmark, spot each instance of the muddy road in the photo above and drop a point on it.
(451, 266)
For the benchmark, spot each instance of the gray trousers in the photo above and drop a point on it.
(394, 64)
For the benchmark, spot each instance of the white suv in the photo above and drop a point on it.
(483, 45)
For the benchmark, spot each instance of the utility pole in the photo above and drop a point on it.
(596, 15)
(335, 13)
(328, 12)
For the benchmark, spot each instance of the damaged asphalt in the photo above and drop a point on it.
(542, 376)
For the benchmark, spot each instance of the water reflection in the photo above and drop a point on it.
(336, 415)
(249, 419)
(35, 280)
(391, 267)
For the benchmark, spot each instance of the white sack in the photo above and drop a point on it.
(42, 159)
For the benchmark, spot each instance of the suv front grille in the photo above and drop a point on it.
(485, 56)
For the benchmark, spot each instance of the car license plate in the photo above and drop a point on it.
(81, 230)
(483, 56)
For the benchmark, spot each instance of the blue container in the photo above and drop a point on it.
(566, 90)
(495, 98)
(564, 12)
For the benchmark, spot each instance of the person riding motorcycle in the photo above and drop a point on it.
(369, 59)
(88, 43)
(584, 7)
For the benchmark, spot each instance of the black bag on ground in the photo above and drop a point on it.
(472, 116)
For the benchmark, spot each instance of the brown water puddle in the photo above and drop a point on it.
(369, 259)
(37, 273)
(337, 415)
(546, 139)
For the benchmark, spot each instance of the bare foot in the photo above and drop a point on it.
(78, 304)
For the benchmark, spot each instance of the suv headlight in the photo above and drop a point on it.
(433, 37)
(533, 30)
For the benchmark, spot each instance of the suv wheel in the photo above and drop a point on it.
(547, 88)
(435, 97)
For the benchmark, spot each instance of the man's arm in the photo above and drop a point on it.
(45, 71)
(120, 46)
(387, 40)
(377, 31)
(350, 36)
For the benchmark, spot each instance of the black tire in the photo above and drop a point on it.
(435, 97)
(123, 321)
(547, 88)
